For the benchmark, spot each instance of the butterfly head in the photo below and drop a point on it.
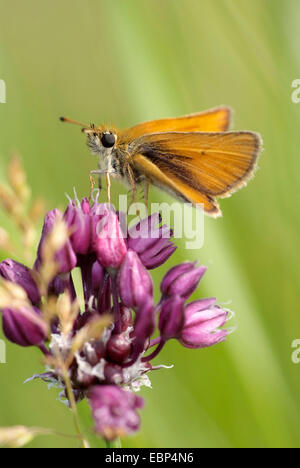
(100, 140)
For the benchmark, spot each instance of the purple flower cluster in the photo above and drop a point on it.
(115, 275)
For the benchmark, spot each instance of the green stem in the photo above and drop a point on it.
(113, 443)
(71, 398)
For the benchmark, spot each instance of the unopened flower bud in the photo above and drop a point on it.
(21, 275)
(171, 318)
(97, 277)
(182, 280)
(118, 348)
(135, 283)
(65, 257)
(78, 220)
(109, 243)
(144, 327)
(202, 324)
(24, 326)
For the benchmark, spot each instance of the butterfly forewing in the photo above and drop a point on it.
(213, 120)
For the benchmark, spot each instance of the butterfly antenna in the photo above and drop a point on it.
(74, 122)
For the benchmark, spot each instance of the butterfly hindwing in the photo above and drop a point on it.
(199, 166)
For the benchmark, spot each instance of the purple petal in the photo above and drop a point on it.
(198, 306)
(109, 243)
(171, 318)
(182, 280)
(24, 327)
(66, 257)
(202, 327)
(135, 283)
(151, 241)
(78, 219)
(21, 275)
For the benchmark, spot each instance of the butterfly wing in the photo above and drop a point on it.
(213, 120)
(198, 167)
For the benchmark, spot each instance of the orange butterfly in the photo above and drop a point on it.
(192, 157)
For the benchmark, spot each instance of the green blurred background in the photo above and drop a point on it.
(128, 61)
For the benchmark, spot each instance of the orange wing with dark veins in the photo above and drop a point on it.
(197, 166)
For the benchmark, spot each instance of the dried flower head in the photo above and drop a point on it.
(23, 211)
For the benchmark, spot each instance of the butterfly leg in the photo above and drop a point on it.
(146, 192)
(133, 185)
(99, 174)
(92, 182)
(108, 185)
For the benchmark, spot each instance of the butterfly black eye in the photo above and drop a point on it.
(108, 140)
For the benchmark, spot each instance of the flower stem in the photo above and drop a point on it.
(86, 272)
(116, 305)
(155, 342)
(72, 288)
(113, 443)
(155, 352)
(44, 350)
(102, 296)
(109, 444)
(44, 432)
(71, 398)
